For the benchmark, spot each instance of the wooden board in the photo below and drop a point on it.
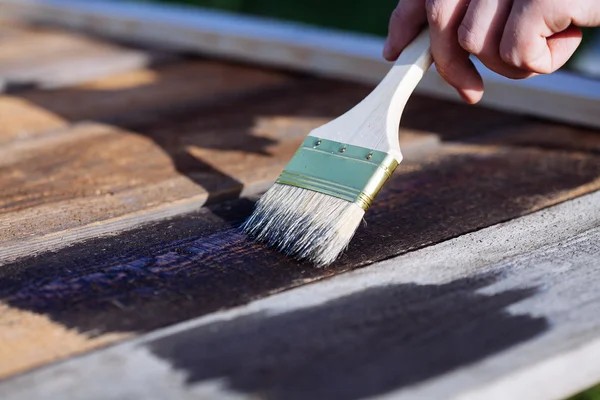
(43, 167)
(103, 237)
(507, 312)
(195, 264)
(33, 57)
(189, 130)
(144, 94)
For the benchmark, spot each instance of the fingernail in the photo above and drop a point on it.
(464, 96)
(469, 96)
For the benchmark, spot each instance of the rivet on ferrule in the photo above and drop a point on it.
(318, 142)
(356, 174)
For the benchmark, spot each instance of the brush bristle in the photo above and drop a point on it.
(304, 224)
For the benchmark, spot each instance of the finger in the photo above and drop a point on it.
(480, 33)
(586, 13)
(528, 42)
(405, 24)
(451, 60)
(563, 45)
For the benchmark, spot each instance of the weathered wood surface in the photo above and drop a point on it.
(126, 98)
(83, 167)
(507, 312)
(89, 172)
(195, 264)
(37, 57)
(190, 130)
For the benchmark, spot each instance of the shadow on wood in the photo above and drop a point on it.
(364, 344)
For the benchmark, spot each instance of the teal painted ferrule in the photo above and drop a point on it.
(352, 173)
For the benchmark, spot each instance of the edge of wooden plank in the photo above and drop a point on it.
(561, 96)
(533, 382)
(501, 241)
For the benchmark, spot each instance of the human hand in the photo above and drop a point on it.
(515, 38)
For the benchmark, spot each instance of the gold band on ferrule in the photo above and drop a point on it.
(352, 173)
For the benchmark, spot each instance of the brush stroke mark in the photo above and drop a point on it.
(364, 344)
(191, 265)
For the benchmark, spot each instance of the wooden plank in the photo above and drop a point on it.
(33, 57)
(505, 312)
(191, 265)
(125, 98)
(561, 96)
(541, 134)
(43, 189)
(194, 133)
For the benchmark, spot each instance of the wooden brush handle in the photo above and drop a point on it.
(374, 122)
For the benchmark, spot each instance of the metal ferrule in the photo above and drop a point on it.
(352, 173)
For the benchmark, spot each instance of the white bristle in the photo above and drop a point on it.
(304, 224)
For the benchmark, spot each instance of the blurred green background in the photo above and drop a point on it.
(359, 15)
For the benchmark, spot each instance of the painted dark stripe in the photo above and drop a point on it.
(365, 344)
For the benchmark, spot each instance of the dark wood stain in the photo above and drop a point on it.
(364, 344)
(192, 265)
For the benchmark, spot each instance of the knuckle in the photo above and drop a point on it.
(469, 40)
(523, 61)
(435, 12)
(509, 56)
(446, 70)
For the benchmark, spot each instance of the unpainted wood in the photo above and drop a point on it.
(36, 57)
(124, 98)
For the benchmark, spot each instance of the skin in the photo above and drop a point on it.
(515, 38)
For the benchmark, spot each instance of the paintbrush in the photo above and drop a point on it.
(317, 203)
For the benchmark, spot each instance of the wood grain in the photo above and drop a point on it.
(170, 271)
(33, 57)
(235, 135)
(121, 99)
(506, 312)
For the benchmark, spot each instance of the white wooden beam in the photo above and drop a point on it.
(563, 96)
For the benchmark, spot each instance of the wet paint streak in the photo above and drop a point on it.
(360, 345)
(191, 265)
